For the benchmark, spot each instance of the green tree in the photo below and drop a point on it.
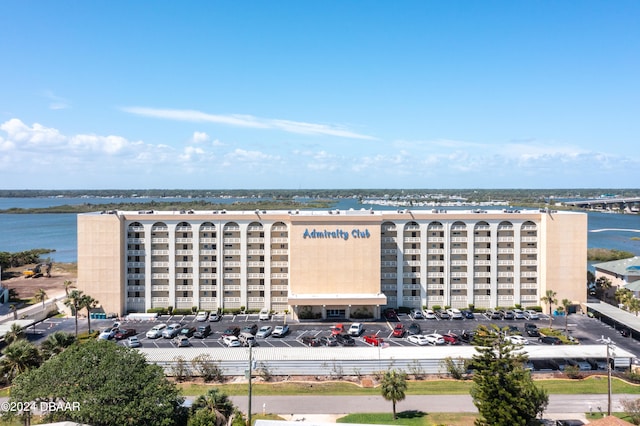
(40, 296)
(67, 285)
(603, 284)
(566, 304)
(111, 384)
(634, 305)
(503, 390)
(394, 387)
(212, 408)
(549, 299)
(73, 302)
(87, 302)
(55, 343)
(19, 357)
(624, 296)
(14, 333)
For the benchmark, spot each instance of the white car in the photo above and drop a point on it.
(356, 329)
(517, 340)
(418, 339)
(454, 313)
(202, 316)
(435, 339)
(107, 333)
(518, 314)
(133, 342)
(171, 331)
(429, 314)
(156, 331)
(264, 331)
(231, 341)
(280, 330)
(531, 315)
(417, 314)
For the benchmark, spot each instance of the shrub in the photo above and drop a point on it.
(573, 372)
(159, 311)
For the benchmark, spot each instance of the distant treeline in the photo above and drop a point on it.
(173, 206)
(14, 260)
(514, 195)
(606, 255)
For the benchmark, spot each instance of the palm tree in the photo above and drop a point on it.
(394, 387)
(566, 303)
(213, 408)
(602, 285)
(549, 299)
(40, 296)
(623, 296)
(14, 333)
(634, 305)
(89, 303)
(73, 302)
(14, 311)
(19, 357)
(55, 343)
(67, 285)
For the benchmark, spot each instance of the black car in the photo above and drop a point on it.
(231, 331)
(187, 331)
(550, 340)
(202, 331)
(532, 332)
(310, 341)
(329, 341)
(345, 340)
(468, 314)
(467, 336)
(625, 332)
(414, 328)
(253, 329)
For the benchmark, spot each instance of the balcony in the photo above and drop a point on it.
(135, 276)
(183, 276)
(157, 240)
(187, 252)
(208, 275)
(159, 288)
(230, 287)
(388, 275)
(279, 288)
(208, 287)
(232, 276)
(279, 276)
(279, 240)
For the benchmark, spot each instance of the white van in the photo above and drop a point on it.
(264, 314)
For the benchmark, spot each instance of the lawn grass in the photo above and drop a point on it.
(591, 385)
(411, 418)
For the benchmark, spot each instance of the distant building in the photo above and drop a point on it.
(624, 273)
(330, 263)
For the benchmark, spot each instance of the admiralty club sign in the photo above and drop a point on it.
(338, 234)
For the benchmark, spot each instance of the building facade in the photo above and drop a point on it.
(330, 263)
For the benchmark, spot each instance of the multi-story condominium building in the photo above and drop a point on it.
(330, 263)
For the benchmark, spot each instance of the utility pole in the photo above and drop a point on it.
(250, 371)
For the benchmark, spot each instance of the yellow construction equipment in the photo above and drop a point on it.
(37, 271)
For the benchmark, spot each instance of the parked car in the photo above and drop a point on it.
(310, 341)
(390, 314)
(531, 315)
(414, 328)
(247, 339)
(133, 342)
(442, 314)
(399, 330)
(280, 331)
(374, 340)
(264, 314)
(337, 329)
(231, 341)
(493, 314)
(451, 338)
(253, 329)
(455, 313)
(434, 339)
(107, 333)
(202, 331)
(202, 316)
(429, 314)
(468, 314)
(156, 331)
(625, 332)
(532, 332)
(518, 314)
(264, 331)
(517, 340)
(418, 339)
(214, 317)
(328, 341)
(550, 340)
(187, 331)
(356, 329)
(507, 314)
(345, 340)
(467, 336)
(416, 314)
(123, 333)
(231, 331)
(181, 341)
(171, 331)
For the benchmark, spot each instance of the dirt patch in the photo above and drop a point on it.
(27, 287)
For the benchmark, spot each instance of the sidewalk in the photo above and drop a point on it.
(33, 312)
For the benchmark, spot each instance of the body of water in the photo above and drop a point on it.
(21, 232)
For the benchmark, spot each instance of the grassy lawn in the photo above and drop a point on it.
(591, 385)
(411, 418)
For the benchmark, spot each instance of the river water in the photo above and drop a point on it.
(58, 231)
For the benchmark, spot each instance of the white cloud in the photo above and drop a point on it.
(247, 121)
(199, 137)
(19, 132)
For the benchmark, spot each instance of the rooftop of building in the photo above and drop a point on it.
(625, 267)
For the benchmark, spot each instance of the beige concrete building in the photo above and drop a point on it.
(330, 264)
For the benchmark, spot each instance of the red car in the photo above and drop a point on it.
(373, 340)
(451, 339)
(399, 331)
(337, 329)
(124, 333)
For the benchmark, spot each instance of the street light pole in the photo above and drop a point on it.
(608, 380)
(250, 367)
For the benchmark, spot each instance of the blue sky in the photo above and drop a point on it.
(319, 94)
